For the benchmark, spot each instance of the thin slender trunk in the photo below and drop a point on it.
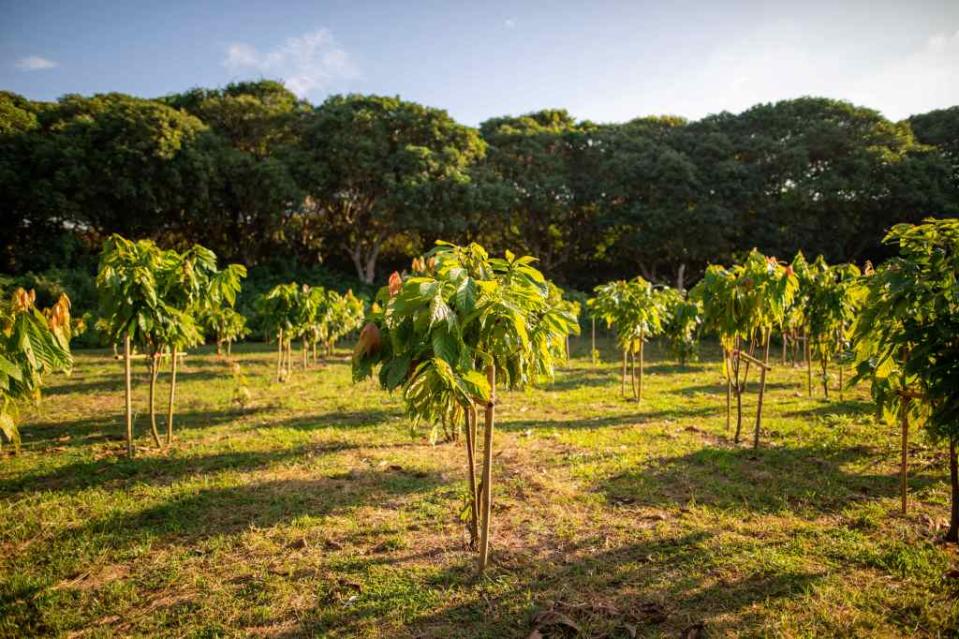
(841, 381)
(727, 360)
(592, 352)
(219, 347)
(279, 354)
(953, 534)
(784, 349)
(567, 348)
(739, 393)
(904, 462)
(641, 369)
(486, 503)
(154, 372)
(632, 373)
(825, 375)
(306, 352)
(169, 408)
(229, 347)
(762, 391)
(470, 414)
(808, 365)
(129, 394)
(623, 384)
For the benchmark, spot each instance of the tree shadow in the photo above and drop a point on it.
(189, 518)
(845, 408)
(768, 480)
(346, 419)
(639, 418)
(653, 586)
(719, 388)
(112, 427)
(121, 472)
(115, 383)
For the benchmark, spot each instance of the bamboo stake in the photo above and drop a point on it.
(486, 504)
(632, 373)
(169, 410)
(129, 394)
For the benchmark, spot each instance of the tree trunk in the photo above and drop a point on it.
(904, 462)
(229, 347)
(641, 369)
(567, 348)
(592, 352)
(727, 360)
(219, 347)
(486, 501)
(808, 349)
(623, 384)
(681, 278)
(169, 408)
(825, 375)
(129, 394)
(784, 348)
(306, 352)
(762, 391)
(632, 374)
(953, 534)
(470, 414)
(279, 354)
(738, 387)
(154, 372)
(841, 381)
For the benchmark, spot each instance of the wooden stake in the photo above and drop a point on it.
(154, 372)
(727, 360)
(592, 352)
(641, 369)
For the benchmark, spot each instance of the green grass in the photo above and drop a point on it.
(314, 512)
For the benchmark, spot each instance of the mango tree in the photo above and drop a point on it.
(32, 345)
(446, 334)
(905, 340)
(744, 303)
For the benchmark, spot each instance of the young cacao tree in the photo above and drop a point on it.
(744, 303)
(33, 344)
(830, 309)
(905, 340)
(682, 323)
(636, 310)
(446, 335)
(131, 283)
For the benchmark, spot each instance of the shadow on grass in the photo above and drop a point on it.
(770, 480)
(659, 585)
(112, 427)
(638, 418)
(210, 512)
(845, 408)
(115, 384)
(121, 472)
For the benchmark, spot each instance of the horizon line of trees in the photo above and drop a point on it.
(361, 183)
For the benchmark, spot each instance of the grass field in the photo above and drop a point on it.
(315, 512)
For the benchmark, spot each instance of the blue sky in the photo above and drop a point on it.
(605, 61)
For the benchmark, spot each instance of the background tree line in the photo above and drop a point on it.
(350, 189)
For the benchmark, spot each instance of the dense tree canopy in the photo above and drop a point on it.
(362, 183)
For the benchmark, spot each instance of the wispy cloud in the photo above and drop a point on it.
(509, 23)
(305, 63)
(34, 63)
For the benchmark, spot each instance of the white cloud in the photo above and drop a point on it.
(509, 23)
(305, 63)
(35, 63)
